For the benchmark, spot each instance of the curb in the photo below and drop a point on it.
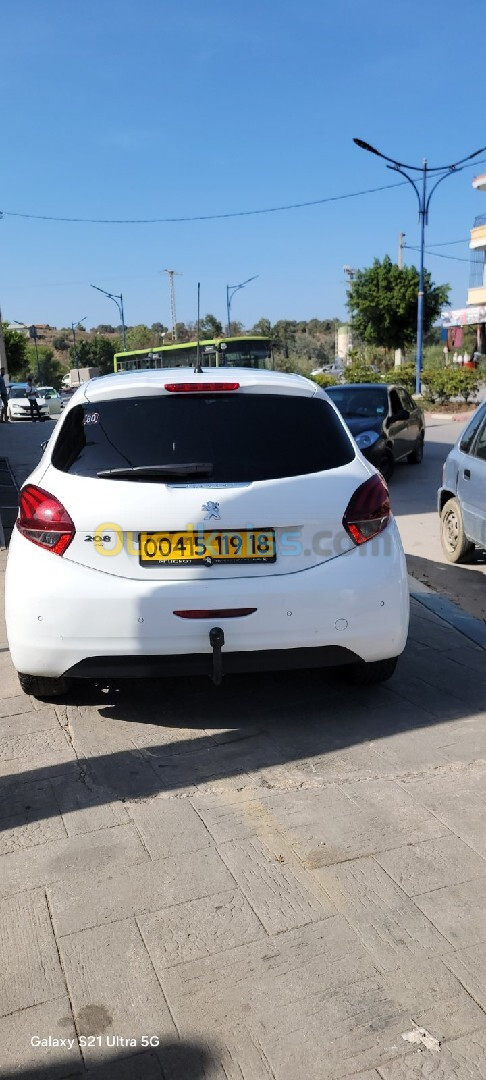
(449, 612)
(449, 417)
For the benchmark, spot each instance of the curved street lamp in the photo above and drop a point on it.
(118, 300)
(230, 292)
(438, 173)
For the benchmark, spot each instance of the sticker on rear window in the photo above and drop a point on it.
(91, 418)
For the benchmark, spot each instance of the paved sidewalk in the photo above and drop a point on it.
(282, 878)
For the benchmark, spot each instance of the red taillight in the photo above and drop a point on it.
(43, 520)
(368, 510)
(200, 387)
(215, 613)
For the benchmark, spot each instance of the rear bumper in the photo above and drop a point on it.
(72, 617)
(154, 667)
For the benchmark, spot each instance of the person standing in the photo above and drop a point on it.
(3, 396)
(31, 394)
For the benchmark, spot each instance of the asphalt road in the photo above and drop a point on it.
(413, 491)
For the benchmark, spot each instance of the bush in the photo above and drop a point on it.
(324, 380)
(359, 372)
(446, 383)
(405, 376)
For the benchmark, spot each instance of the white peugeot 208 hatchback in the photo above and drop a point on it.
(203, 523)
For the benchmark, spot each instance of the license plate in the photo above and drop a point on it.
(219, 546)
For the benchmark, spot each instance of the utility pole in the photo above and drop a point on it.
(401, 238)
(172, 274)
(350, 274)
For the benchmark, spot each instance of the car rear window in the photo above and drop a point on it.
(244, 437)
(355, 401)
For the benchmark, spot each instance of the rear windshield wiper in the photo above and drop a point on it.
(142, 472)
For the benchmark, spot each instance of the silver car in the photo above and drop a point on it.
(462, 495)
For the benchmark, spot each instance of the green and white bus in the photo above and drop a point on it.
(248, 351)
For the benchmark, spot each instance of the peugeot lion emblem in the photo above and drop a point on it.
(212, 509)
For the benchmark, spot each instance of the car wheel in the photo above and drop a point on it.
(417, 454)
(455, 543)
(387, 465)
(362, 674)
(39, 686)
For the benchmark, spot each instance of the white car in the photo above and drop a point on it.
(203, 523)
(50, 395)
(18, 407)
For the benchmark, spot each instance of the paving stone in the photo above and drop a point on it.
(87, 808)
(30, 972)
(135, 889)
(458, 799)
(138, 1066)
(20, 1059)
(432, 864)
(434, 997)
(387, 921)
(469, 965)
(169, 827)
(17, 798)
(28, 830)
(332, 825)
(458, 912)
(70, 858)
(198, 928)
(281, 893)
(120, 997)
(14, 706)
(469, 1052)
(28, 753)
(235, 816)
(28, 721)
(340, 1032)
(423, 1065)
(259, 980)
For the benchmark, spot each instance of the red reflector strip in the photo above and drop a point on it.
(216, 613)
(200, 387)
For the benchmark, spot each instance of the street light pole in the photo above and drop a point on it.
(118, 300)
(437, 173)
(75, 355)
(230, 292)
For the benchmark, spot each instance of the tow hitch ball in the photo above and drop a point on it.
(216, 641)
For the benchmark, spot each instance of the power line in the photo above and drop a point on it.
(449, 243)
(199, 217)
(437, 255)
(217, 217)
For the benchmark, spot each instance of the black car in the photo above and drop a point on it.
(387, 424)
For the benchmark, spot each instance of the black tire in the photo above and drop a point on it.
(387, 465)
(39, 686)
(416, 457)
(362, 674)
(455, 543)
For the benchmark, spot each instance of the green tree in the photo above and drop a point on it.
(16, 352)
(98, 352)
(60, 343)
(263, 327)
(140, 337)
(210, 327)
(383, 303)
(43, 366)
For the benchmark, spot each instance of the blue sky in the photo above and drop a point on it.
(163, 109)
